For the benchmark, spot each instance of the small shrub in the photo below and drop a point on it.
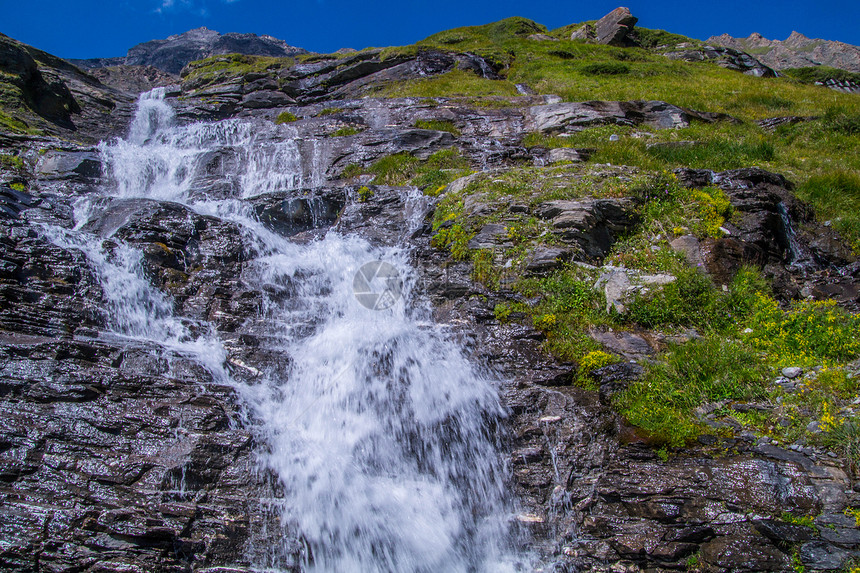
(364, 193)
(455, 239)
(329, 111)
(502, 312)
(352, 170)
(18, 186)
(809, 333)
(394, 169)
(12, 162)
(345, 131)
(803, 520)
(544, 321)
(286, 117)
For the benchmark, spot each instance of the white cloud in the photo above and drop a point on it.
(194, 6)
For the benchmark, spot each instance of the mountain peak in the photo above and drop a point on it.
(171, 54)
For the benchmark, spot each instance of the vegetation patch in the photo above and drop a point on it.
(286, 117)
(430, 175)
(689, 375)
(821, 74)
(437, 125)
(345, 131)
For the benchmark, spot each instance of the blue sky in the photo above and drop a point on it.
(102, 28)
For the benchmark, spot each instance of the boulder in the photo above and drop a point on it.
(591, 224)
(544, 259)
(583, 33)
(614, 28)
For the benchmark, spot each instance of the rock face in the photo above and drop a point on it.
(172, 54)
(796, 51)
(133, 79)
(57, 98)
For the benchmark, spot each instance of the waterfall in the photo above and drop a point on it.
(379, 430)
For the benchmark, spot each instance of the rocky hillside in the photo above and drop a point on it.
(653, 242)
(796, 51)
(172, 54)
(43, 94)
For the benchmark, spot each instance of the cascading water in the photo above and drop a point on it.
(379, 429)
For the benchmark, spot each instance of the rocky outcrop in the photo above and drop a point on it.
(172, 54)
(54, 97)
(591, 225)
(133, 79)
(774, 230)
(615, 28)
(796, 51)
(560, 117)
(725, 57)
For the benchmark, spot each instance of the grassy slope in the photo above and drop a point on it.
(747, 337)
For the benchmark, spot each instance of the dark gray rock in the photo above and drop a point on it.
(591, 224)
(573, 116)
(823, 556)
(724, 57)
(615, 27)
(84, 166)
(490, 236)
(784, 534)
(545, 259)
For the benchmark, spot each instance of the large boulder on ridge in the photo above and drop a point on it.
(615, 27)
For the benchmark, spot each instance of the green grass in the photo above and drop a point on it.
(835, 196)
(11, 162)
(821, 74)
(346, 131)
(698, 372)
(228, 67)
(402, 168)
(286, 117)
(437, 125)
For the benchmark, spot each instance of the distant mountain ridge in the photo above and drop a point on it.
(172, 54)
(796, 51)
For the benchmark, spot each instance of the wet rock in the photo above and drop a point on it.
(265, 99)
(821, 555)
(784, 534)
(70, 165)
(744, 554)
(291, 213)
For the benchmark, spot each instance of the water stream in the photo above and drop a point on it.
(379, 429)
